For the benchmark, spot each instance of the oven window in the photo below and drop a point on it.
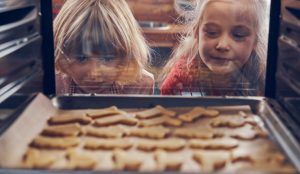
(154, 47)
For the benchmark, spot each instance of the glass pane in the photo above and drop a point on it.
(154, 47)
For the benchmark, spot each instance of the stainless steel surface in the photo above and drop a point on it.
(20, 45)
(289, 63)
(186, 5)
(153, 25)
(18, 54)
(4, 114)
(288, 67)
(11, 108)
(18, 23)
(6, 5)
(17, 82)
(280, 133)
(294, 103)
(259, 106)
(19, 62)
(293, 106)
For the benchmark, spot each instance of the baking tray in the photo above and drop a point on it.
(279, 134)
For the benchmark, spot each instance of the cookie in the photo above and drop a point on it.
(157, 110)
(125, 161)
(211, 113)
(113, 110)
(268, 162)
(270, 157)
(161, 120)
(152, 122)
(192, 115)
(210, 161)
(260, 131)
(116, 119)
(107, 144)
(215, 144)
(106, 132)
(249, 133)
(55, 143)
(198, 112)
(172, 122)
(171, 144)
(202, 133)
(65, 119)
(80, 160)
(164, 162)
(36, 160)
(62, 130)
(157, 132)
(233, 121)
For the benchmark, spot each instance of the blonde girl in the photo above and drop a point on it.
(223, 52)
(99, 49)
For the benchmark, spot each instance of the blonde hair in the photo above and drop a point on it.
(189, 43)
(107, 23)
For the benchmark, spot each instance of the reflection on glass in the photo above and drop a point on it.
(218, 47)
(99, 49)
(224, 52)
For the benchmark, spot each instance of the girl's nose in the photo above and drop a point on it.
(94, 64)
(95, 67)
(223, 44)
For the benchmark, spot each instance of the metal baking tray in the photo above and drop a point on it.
(279, 134)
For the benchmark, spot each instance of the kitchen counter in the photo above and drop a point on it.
(164, 36)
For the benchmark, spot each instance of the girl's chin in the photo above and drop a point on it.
(222, 70)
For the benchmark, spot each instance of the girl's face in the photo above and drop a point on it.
(93, 72)
(226, 36)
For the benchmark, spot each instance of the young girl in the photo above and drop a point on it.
(224, 52)
(100, 49)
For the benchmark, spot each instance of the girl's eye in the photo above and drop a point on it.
(240, 34)
(106, 59)
(212, 30)
(81, 58)
(212, 34)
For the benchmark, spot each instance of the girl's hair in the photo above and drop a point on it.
(101, 27)
(189, 42)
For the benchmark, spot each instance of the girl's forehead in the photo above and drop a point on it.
(229, 10)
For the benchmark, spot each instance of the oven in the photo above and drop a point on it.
(28, 99)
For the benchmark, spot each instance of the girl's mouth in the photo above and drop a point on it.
(220, 60)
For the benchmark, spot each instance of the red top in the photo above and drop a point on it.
(184, 79)
(181, 78)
